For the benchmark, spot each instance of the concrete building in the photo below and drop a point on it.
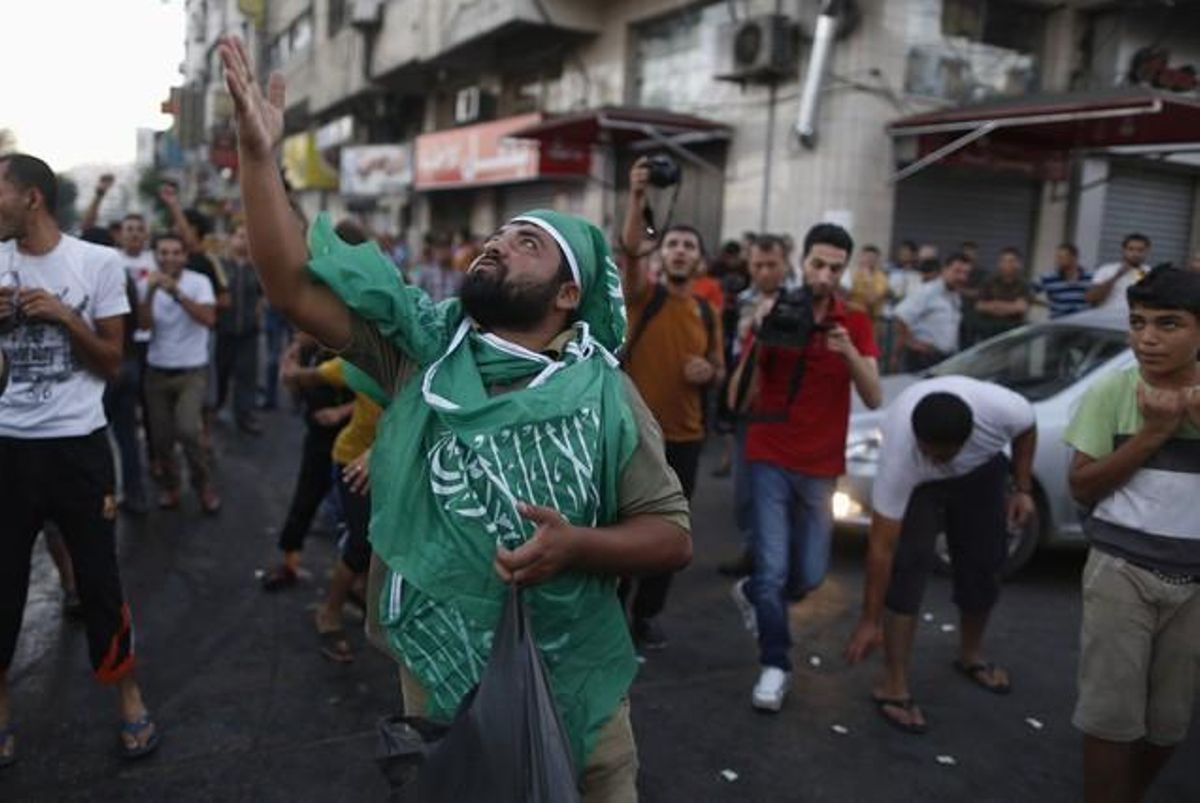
(925, 120)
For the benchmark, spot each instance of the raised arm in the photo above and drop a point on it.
(633, 233)
(277, 246)
(93, 210)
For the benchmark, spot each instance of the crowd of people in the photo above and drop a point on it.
(531, 409)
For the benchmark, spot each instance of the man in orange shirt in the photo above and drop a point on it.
(673, 353)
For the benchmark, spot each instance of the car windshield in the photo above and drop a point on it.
(1038, 361)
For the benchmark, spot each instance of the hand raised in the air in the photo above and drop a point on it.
(259, 116)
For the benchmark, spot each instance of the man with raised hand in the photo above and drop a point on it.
(513, 450)
(1136, 467)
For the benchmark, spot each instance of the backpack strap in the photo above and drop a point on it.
(658, 299)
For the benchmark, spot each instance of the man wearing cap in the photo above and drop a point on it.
(513, 449)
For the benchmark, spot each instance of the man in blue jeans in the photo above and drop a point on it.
(795, 448)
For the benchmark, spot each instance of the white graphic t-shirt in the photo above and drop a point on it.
(139, 267)
(50, 394)
(179, 340)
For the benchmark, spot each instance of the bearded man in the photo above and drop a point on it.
(513, 449)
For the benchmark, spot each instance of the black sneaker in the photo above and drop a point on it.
(648, 635)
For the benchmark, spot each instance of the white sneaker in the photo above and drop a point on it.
(771, 688)
(745, 606)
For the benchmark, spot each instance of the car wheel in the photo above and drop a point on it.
(1022, 543)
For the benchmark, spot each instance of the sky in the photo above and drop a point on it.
(81, 76)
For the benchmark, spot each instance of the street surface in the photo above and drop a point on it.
(250, 711)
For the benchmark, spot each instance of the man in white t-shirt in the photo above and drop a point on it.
(1110, 281)
(179, 309)
(61, 308)
(942, 466)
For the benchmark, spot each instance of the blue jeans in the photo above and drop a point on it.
(278, 333)
(793, 528)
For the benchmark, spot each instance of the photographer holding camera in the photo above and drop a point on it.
(673, 354)
(795, 379)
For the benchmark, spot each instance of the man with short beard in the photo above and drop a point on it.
(796, 449)
(674, 354)
(513, 451)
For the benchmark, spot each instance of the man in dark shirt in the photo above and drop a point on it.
(237, 335)
(1004, 297)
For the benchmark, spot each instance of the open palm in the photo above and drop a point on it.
(259, 117)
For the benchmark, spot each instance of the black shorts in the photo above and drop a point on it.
(971, 511)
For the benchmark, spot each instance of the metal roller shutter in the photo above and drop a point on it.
(1156, 203)
(947, 206)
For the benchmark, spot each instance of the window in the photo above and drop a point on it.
(1009, 25)
(1039, 361)
(971, 50)
(293, 41)
(337, 16)
(675, 57)
(302, 32)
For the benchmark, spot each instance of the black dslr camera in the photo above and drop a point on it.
(790, 322)
(664, 171)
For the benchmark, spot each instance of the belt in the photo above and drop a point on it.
(1176, 579)
(176, 371)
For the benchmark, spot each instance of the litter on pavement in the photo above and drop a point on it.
(840, 730)
(814, 661)
(946, 761)
(928, 617)
(948, 628)
(1036, 724)
(729, 775)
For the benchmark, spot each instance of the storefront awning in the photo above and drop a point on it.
(628, 126)
(1046, 126)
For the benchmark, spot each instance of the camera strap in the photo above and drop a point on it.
(794, 383)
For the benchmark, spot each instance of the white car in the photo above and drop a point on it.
(1052, 364)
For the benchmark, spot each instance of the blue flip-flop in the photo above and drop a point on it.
(6, 733)
(133, 729)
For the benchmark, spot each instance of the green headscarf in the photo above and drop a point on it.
(451, 462)
(584, 247)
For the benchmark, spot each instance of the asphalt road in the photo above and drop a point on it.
(250, 711)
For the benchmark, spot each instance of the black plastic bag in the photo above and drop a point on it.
(506, 744)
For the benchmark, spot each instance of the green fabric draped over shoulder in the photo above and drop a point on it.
(452, 461)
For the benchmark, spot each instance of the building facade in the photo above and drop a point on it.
(453, 114)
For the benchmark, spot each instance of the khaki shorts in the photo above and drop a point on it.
(1139, 654)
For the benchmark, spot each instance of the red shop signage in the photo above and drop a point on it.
(483, 154)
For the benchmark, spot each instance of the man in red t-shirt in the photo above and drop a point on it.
(795, 448)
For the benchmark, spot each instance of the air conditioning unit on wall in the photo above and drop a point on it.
(759, 49)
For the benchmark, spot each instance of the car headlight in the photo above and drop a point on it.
(863, 446)
(845, 506)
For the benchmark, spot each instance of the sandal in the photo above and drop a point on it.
(335, 646)
(905, 704)
(975, 673)
(279, 578)
(8, 735)
(134, 729)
